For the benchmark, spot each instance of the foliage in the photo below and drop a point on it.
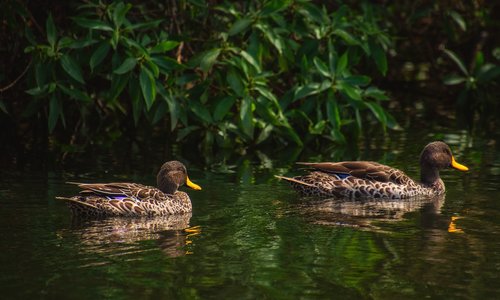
(266, 71)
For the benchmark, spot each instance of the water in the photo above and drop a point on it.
(250, 236)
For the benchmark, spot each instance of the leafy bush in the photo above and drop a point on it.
(235, 73)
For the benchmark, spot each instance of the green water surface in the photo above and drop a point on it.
(251, 237)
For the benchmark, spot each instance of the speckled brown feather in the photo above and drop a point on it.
(366, 179)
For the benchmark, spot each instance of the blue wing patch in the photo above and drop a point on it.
(342, 175)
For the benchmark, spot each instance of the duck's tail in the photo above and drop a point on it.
(293, 180)
(77, 202)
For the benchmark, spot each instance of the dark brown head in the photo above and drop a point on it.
(172, 175)
(434, 157)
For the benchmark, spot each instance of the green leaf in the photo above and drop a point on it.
(54, 111)
(454, 79)
(3, 108)
(119, 13)
(249, 58)
(160, 112)
(350, 90)
(239, 26)
(173, 106)
(118, 83)
(378, 111)
(360, 80)
(380, 58)
(321, 67)
(135, 96)
(342, 63)
(208, 59)
(51, 31)
(148, 87)
(182, 133)
(201, 111)
(93, 24)
(347, 37)
(375, 93)
(458, 19)
(166, 64)
(246, 116)
(74, 93)
(72, 68)
(127, 65)
(311, 89)
(235, 82)
(223, 107)
(457, 61)
(332, 110)
(164, 47)
(99, 55)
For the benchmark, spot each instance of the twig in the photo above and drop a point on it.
(17, 79)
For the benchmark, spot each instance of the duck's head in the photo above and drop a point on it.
(172, 175)
(434, 157)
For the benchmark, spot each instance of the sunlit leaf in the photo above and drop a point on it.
(72, 68)
(458, 19)
(454, 79)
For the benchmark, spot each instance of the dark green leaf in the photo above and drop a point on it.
(74, 93)
(3, 108)
(458, 19)
(342, 63)
(249, 58)
(51, 31)
(127, 65)
(182, 133)
(160, 112)
(54, 111)
(457, 61)
(223, 107)
(321, 67)
(148, 87)
(350, 90)
(208, 59)
(118, 83)
(164, 47)
(72, 68)
(93, 24)
(119, 13)
(360, 80)
(135, 95)
(332, 110)
(246, 117)
(235, 82)
(239, 26)
(347, 37)
(380, 58)
(201, 111)
(166, 64)
(99, 55)
(488, 72)
(378, 111)
(375, 93)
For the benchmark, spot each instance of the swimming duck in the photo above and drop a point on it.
(367, 179)
(133, 199)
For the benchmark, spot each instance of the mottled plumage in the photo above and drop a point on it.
(366, 179)
(132, 199)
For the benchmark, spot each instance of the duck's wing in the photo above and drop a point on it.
(368, 170)
(122, 189)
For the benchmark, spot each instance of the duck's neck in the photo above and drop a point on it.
(429, 175)
(167, 187)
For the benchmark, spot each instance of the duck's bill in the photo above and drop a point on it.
(458, 166)
(192, 185)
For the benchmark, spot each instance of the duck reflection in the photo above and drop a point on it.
(172, 233)
(364, 213)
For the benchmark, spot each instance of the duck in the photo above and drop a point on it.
(133, 199)
(368, 179)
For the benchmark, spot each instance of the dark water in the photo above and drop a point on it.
(250, 236)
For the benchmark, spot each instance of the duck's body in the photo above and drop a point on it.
(365, 179)
(132, 199)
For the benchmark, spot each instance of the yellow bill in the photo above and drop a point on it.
(458, 166)
(192, 185)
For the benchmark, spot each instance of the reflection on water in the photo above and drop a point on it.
(364, 212)
(172, 234)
